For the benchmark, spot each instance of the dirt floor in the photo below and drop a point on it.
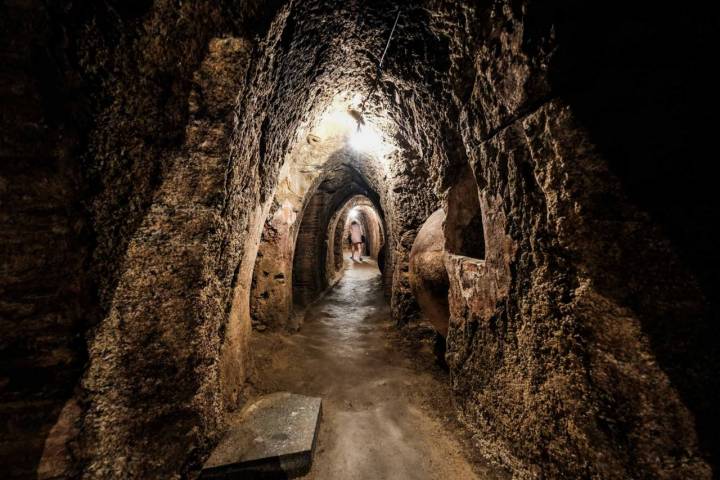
(387, 411)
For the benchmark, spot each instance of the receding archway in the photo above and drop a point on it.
(318, 252)
(361, 210)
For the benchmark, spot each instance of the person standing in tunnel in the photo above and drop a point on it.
(356, 239)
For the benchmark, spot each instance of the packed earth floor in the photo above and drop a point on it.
(385, 403)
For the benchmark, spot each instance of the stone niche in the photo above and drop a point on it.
(271, 295)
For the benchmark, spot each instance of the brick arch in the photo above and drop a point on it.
(312, 272)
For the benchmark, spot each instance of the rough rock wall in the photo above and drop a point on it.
(85, 67)
(568, 341)
(127, 74)
(170, 299)
(271, 292)
(560, 338)
(46, 297)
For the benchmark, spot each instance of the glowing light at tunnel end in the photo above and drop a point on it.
(365, 139)
(369, 137)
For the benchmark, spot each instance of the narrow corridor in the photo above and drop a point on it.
(383, 406)
(531, 179)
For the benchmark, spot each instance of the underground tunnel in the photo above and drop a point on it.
(536, 291)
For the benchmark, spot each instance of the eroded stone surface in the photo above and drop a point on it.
(146, 142)
(275, 435)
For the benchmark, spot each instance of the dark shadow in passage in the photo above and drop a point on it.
(639, 78)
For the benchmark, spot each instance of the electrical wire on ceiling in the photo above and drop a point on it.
(359, 115)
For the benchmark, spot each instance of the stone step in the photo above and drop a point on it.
(274, 438)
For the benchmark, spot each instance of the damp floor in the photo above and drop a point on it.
(387, 410)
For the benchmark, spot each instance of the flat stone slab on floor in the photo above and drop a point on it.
(272, 438)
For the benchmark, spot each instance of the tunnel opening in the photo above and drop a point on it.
(161, 166)
(463, 228)
(332, 163)
(322, 242)
(361, 210)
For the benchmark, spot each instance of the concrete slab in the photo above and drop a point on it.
(274, 438)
